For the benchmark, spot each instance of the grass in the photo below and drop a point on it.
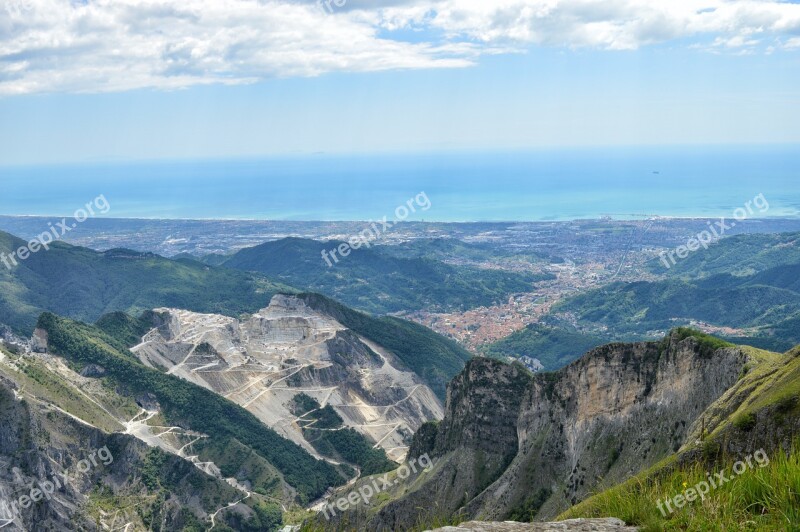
(765, 498)
(708, 344)
(774, 380)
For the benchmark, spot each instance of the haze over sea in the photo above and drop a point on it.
(559, 184)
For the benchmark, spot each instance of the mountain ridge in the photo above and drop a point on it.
(521, 446)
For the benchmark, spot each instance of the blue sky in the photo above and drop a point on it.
(92, 81)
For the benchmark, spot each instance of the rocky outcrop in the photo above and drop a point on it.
(39, 341)
(572, 525)
(523, 446)
(262, 363)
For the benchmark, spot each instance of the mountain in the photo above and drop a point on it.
(433, 357)
(288, 364)
(235, 423)
(379, 281)
(83, 284)
(184, 404)
(765, 305)
(454, 250)
(521, 446)
(745, 286)
(89, 479)
(109, 455)
(721, 300)
(739, 255)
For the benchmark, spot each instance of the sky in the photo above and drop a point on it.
(122, 80)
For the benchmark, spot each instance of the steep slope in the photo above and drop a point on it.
(518, 445)
(266, 362)
(375, 280)
(758, 415)
(67, 436)
(192, 408)
(83, 284)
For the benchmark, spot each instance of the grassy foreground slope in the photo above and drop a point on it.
(761, 412)
(188, 405)
(761, 499)
(84, 284)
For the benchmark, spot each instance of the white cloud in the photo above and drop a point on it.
(115, 45)
(606, 24)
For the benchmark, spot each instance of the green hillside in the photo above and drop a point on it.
(737, 255)
(554, 347)
(84, 284)
(325, 430)
(766, 302)
(445, 249)
(378, 281)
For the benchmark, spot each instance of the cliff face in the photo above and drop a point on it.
(264, 362)
(516, 445)
(88, 479)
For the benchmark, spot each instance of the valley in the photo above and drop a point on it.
(285, 400)
(476, 283)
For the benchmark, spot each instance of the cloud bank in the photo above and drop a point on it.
(119, 45)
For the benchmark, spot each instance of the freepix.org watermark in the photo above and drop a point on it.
(716, 230)
(366, 492)
(56, 232)
(44, 489)
(374, 231)
(329, 6)
(703, 488)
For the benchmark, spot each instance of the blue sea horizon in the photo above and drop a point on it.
(542, 185)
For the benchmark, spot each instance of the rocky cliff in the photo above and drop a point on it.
(513, 445)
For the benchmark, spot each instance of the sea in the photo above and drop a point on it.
(531, 185)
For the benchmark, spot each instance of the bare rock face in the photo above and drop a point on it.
(286, 349)
(514, 445)
(39, 341)
(573, 525)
